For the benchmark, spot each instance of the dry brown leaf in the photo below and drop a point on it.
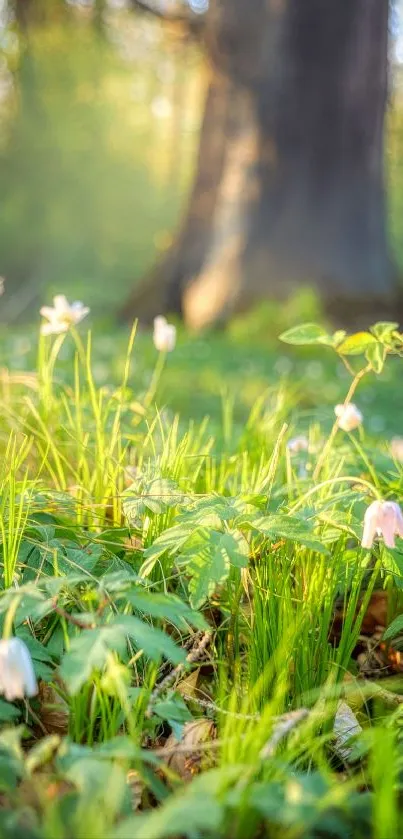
(376, 614)
(188, 687)
(54, 710)
(136, 786)
(184, 756)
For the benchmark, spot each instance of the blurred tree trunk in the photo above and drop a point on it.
(29, 12)
(289, 187)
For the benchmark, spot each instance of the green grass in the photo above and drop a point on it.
(219, 540)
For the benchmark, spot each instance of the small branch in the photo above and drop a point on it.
(194, 22)
(281, 729)
(194, 655)
(329, 442)
(71, 619)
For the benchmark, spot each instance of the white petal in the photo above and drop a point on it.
(48, 312)
(160, 321)
(53, 328)
(26, 666)
(371, 523)
(61, 304)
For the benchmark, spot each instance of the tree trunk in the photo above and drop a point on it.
(289, 187)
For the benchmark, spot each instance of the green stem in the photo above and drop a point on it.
(9, 619)
(329, 441)
(329, 482)
(155, 379)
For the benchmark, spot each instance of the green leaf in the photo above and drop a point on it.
(170, 541)
(153, 497)
(208, 556)
(195, 810)
(166, 607)
(395, 628)
(288, 527)
(376, 355)
(306, 333)
(88, 652)
(356, 344)
(208, 569)
(152, 640)
(384, 330)
(8, 711)
(234, 546)
(173, 710)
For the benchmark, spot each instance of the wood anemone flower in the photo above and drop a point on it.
(62, 315)
(349, 417)
(382, 518)
(298, 444)
(17, 675)
(396, 448)
(164, 335)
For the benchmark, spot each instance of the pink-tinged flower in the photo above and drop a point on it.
(382, 518)
(349, 416)
(164, 335)
(62, 315)
(396, 448)
(298, 444)
(17, 676)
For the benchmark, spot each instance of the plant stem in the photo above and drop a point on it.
(329, 441)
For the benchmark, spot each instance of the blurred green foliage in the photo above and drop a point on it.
(96, 151)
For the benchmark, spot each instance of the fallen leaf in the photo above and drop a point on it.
(184, 756)
(345, 727)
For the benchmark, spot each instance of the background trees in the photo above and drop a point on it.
(289, 187)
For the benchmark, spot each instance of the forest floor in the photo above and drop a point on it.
(216, 653)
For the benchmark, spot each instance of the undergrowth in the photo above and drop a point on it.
(210, 639)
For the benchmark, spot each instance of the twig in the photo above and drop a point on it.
(211, 706)
(194, 655)
(285, 724)
(282, 726)
(193, 21)
(72, 619)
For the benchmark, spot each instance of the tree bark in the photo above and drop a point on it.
(289, 188)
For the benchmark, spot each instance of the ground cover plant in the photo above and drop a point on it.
(201, 619)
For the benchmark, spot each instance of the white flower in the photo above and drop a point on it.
(298, 444)
(17, 676)
(349, 416)
(164, 335)
(382, 518)
(62, 315)
(396, 448)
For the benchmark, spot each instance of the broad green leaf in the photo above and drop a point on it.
(208, 556)
(8, 711)
(165, 607)
(153, 641)
(356, 344)
(173, 709)
(42, 752)
(208, 569)
(395, 628)
(194, 811)
(153, 497)
(234, 546)
(288, 527)
(88, 652)
(338, 337)
(306, 333)
(375, 355)
(384, 330)
(170, 541)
